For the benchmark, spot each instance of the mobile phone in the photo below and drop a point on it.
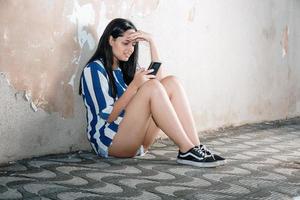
(155, 66)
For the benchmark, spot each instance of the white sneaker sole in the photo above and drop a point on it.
(199, 164)
(221, 162)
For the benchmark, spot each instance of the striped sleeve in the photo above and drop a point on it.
(97, 84)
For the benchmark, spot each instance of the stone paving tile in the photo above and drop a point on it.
(263, 163)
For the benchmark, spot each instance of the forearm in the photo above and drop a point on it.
(155, 58)
(153, 51)
(122, 102)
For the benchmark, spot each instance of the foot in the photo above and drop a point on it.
(196, 158)
(218, 158)
(141, 151)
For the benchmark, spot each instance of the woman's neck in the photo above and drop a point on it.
(115, 64)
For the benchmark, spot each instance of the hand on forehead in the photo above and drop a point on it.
(128, 32)
(127, 35)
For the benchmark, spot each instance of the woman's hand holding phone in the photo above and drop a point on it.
(155, 66)
(141, 76)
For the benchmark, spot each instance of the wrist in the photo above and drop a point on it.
(151, 41)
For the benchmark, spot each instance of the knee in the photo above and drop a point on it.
(170, 81)
(153, 85)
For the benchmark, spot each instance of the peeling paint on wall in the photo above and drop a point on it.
(83, 16)
(144, 8)
(36, 53)
(191, 15)
(41, 46)
(192, 12)
(285, 41)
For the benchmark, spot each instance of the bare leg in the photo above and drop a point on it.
(151, 134)
(151, 99)
(181, 105)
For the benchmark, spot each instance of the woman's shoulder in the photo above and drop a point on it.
(96, 65)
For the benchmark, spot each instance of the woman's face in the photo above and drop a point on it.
(122, 48)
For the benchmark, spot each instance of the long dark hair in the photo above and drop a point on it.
(115, 28)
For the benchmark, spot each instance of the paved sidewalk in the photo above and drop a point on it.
(263, 163)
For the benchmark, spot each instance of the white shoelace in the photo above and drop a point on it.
(201, 152)
(206, 151)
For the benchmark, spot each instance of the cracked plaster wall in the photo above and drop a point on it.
(237, 60)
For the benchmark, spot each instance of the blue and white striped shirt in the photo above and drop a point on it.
(99, 102)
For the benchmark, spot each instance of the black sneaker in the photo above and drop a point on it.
(196, 158)
(207, 152)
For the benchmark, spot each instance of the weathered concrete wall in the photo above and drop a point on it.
(238, 60)
(294, 60)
